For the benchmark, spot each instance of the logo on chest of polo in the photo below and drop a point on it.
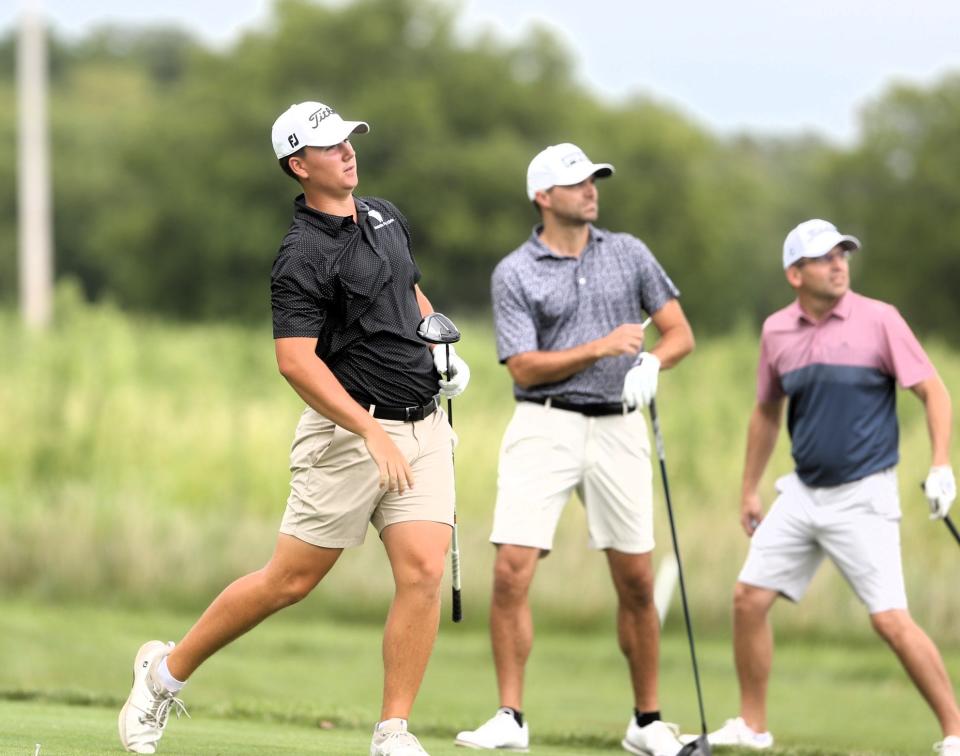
(375, 214)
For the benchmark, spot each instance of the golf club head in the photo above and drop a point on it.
(436, 328)
(698, 747)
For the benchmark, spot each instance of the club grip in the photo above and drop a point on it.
(457, 610)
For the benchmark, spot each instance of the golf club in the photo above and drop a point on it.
(439, 329)
(947, 521)
(700, 746)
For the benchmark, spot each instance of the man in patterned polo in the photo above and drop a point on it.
(568, 307)
(372, 447)
(836, 357)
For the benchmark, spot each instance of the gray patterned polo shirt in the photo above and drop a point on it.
(548, 302)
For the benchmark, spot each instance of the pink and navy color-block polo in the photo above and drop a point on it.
(839, 376)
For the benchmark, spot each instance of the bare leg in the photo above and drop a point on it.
(921, 659)
(416, 551)
(511, 623)
(753, 650)
(292, 572)
(638, 625)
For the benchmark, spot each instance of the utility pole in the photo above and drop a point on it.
(35, 223)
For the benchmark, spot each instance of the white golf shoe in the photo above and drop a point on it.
(391, 738)
(656, 739)
(949, 746)
(500, 732)
(144, 715)
(736, 732)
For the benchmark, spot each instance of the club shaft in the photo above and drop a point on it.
(455, 572)
(655, 421)
(952, 528)
(457, 611)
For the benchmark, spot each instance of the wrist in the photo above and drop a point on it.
(598, 349)
(648, 357)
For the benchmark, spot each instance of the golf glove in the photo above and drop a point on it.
(640, 385)
(941, 489)
(454, 383)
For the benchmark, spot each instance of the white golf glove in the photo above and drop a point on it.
(941, 489)
(454, 383)
(640, 385)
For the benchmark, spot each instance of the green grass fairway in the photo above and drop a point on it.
(299, 685)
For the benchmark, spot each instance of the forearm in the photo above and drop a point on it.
(538, 367)
(676, 336)
(762, 435)
(939, 411)
(674, 345)
(313, 381)
(422, 302)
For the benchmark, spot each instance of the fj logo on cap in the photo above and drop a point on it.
(318, 115)
(573, 158)
(293, 140)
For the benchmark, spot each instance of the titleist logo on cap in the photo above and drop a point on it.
(318, 115)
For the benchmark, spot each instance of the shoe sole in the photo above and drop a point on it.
(475, 747)
(631, 748)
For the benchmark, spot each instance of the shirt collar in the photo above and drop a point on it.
(331, 225)
(841, 310)
(540, 250)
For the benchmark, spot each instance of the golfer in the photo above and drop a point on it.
(836, 356)
(372, 445)
(568, 307)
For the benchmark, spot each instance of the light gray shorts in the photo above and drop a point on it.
(856, 524)
(548, 453)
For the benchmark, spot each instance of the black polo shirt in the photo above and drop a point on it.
(351, 286)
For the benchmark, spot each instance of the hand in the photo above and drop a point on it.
(751, 513)
(454, 382)
(941, 489)
(640, 385)
(395, 472)
(624, 339)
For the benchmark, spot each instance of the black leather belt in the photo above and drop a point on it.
(597, 409)
(407, 413)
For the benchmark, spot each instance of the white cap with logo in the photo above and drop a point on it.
(311, 124)
(814, 238)
(562, 165)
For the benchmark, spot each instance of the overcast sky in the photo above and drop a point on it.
(770, 66)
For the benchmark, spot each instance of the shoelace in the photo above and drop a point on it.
(401, 738)
(159, 711)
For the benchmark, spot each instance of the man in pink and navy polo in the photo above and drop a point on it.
(836, 358)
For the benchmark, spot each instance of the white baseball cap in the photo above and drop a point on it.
(814, 238)
(311, 124)
(562, 165)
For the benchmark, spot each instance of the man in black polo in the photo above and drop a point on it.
(372, 445)
(568, 306)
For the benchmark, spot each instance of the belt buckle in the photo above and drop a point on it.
(408, 413)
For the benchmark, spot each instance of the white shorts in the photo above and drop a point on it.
(547, 453)
(856, 524)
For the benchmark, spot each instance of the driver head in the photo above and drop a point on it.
(438, 329)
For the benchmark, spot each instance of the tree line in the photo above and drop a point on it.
(168, 201)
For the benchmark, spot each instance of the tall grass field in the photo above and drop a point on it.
(145, 463)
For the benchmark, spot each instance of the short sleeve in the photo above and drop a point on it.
(513, 322)
(656, 288)
(299, 308)
(907, 361)
(769, 388)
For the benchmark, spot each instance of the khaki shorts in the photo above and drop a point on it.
(856, 524)
(334, 486)
(547, 453)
